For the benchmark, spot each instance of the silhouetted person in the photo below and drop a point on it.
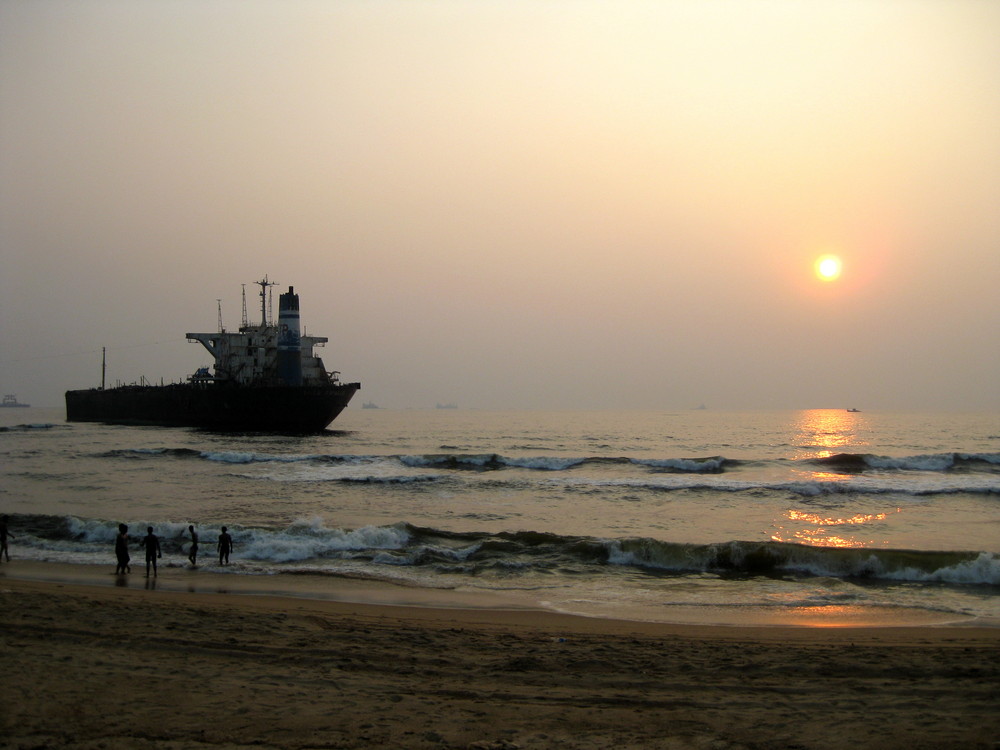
(225, 546)
(121, 550)
(193, 554)
(152, 545)
(3, 538)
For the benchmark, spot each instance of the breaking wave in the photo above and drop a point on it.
(940, 462)
(782, 558)
(308, 544)
(837, 475)
(32, 427)
(840, 462)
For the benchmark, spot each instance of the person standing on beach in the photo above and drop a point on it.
(193, 554)
(121, 551)
(152, 545)
(225, 546)
(3, 538)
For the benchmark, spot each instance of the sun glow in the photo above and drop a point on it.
(828, 267)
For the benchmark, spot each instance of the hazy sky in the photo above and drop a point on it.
(509, 204)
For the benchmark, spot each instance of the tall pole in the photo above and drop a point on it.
(263, 302)
(104, 364)
(264, 284)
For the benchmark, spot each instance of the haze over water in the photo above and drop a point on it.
(817, 517)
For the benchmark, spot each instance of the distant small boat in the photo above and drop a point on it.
(10, 401)
(854, 411)
(370, 405)
(447, 406)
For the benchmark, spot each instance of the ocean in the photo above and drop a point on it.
(820, 517)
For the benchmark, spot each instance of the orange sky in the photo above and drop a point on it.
(512, 204)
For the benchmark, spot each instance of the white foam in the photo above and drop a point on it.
(305, 540)
(684, 464)
(984, 569)
(545, 463)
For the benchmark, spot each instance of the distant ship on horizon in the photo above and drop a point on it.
(10, 402)
(266, 378)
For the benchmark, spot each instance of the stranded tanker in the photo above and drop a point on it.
(265, 378)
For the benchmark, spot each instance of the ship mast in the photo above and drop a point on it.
(264, 284)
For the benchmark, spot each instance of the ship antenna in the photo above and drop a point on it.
(221, 329)
(264, 284)
(245, 322)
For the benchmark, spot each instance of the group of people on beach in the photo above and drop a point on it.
(151, 543)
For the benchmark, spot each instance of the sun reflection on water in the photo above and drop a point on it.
(815, 518)
(821, 433)
(814, 529)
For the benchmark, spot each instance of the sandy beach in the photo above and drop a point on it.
(89, 664)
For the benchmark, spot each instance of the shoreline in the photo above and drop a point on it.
(380, 599)
(92, 665)
(366, 591)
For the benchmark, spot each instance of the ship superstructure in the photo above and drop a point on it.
(265, 353)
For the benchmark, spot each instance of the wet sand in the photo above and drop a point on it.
(88, 664)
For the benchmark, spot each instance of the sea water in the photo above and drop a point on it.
(766, 517)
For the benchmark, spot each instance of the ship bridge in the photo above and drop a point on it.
(250, 357)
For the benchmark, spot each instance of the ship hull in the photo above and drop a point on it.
(212, 406)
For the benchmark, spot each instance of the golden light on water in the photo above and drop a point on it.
(822, 430)
(820, 434)
(797, 515)
(814, 529)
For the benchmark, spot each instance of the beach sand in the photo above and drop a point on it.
(90, 664)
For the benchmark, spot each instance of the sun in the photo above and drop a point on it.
(828, 267)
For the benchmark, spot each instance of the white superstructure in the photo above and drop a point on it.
(251, 357)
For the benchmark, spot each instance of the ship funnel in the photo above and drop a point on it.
(289, 339)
